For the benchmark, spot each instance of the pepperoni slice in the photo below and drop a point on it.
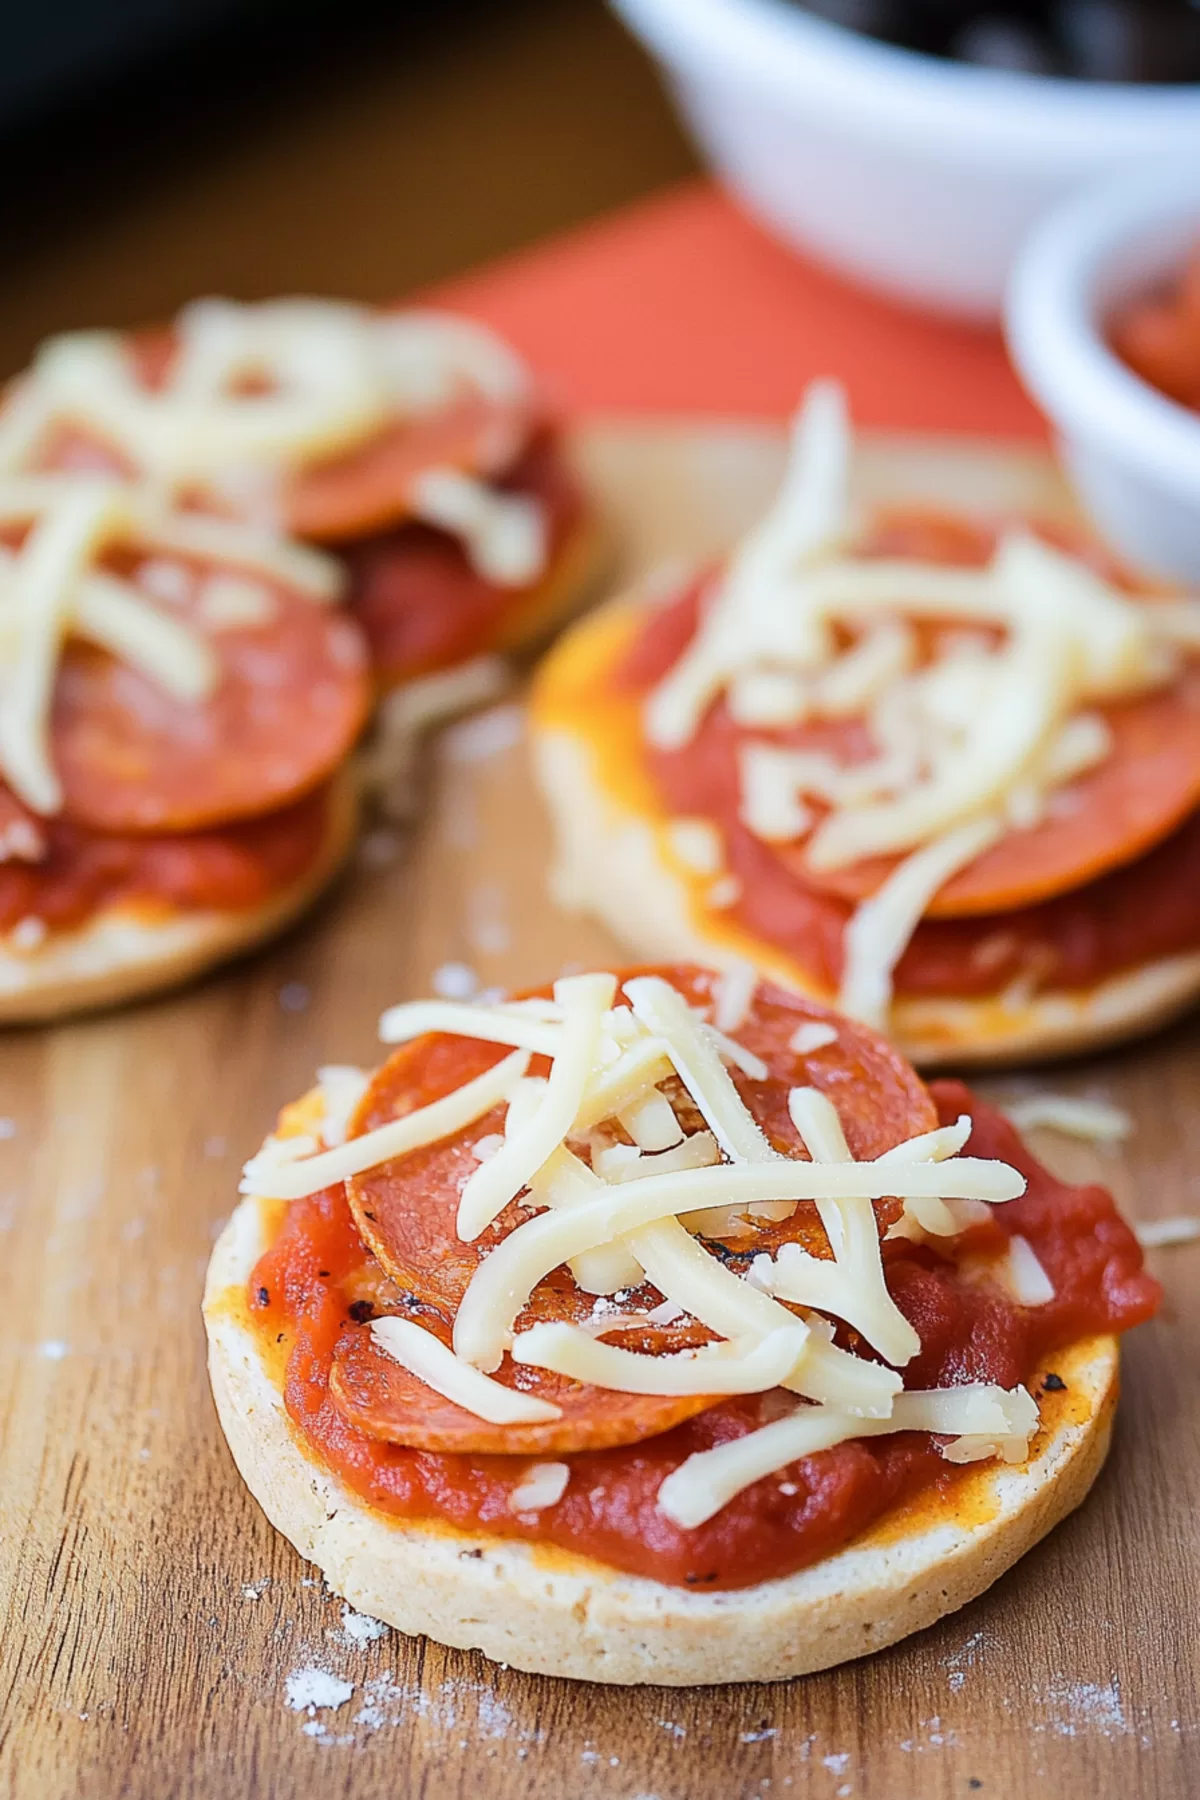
(1131, 916)
(421, 603)
(378, 1395)
(292, 697)
(226, 869)
(406, 1209)
(1142, 792)
(370, 487)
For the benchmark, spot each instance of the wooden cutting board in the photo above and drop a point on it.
(151, 1618)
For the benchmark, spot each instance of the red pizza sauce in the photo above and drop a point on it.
(308, 1291)
(227, 869)
(419, 600)
(1137, 913)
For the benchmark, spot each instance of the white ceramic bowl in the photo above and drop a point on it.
(1133, 455)
(917, 175)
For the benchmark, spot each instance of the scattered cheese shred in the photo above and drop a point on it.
(489, 1024)
(563, 1180)
(1095, 1121)
(502, 1284)
(733, 995)
(651, 1123)
(426, 1357)
(698, 845)
(504, 534)
(62, 538)
(852, 1286)
(543, 1486)
(342, 1087)
(1157, 1234)
(812, 1036)
(880, 929)
(427, 1125)
(708, 1481)
(53, 587)
(1024, 1276)
(585, 999)
(697, 1283)
(665, 1013)
(745, 1367)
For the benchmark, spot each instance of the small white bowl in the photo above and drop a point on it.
(912, 173)
(1133, 455)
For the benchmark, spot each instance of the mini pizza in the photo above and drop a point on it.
(179, 695)
(662, 1327)
(943, 773)
(412, 444)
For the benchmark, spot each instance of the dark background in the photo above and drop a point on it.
(152, 150)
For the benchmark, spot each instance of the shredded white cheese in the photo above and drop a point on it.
(53, 587)
(504, 534)
(975, 743)
(709, 1480)
(697, 844)
(747, 1367)
(1024, 1276)
(342, 1087)
(426, 1357)
(879, 931)
(1095, 1121)
(619, 1224)
(543, 1486)
(697, 1061)
(1156, 1234)
(503, 1283)
(585, 999)
(732, 996)
(280, 383)
(427, 1125)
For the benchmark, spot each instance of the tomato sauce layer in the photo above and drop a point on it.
(419, 600)
(229, 869)
(312, 1288)
(1131, 915)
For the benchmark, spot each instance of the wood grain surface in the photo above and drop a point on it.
(149, 1617)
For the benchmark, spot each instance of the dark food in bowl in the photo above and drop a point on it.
(1092, 40)
(1158, 335)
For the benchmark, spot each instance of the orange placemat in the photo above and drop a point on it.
(682, 304)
